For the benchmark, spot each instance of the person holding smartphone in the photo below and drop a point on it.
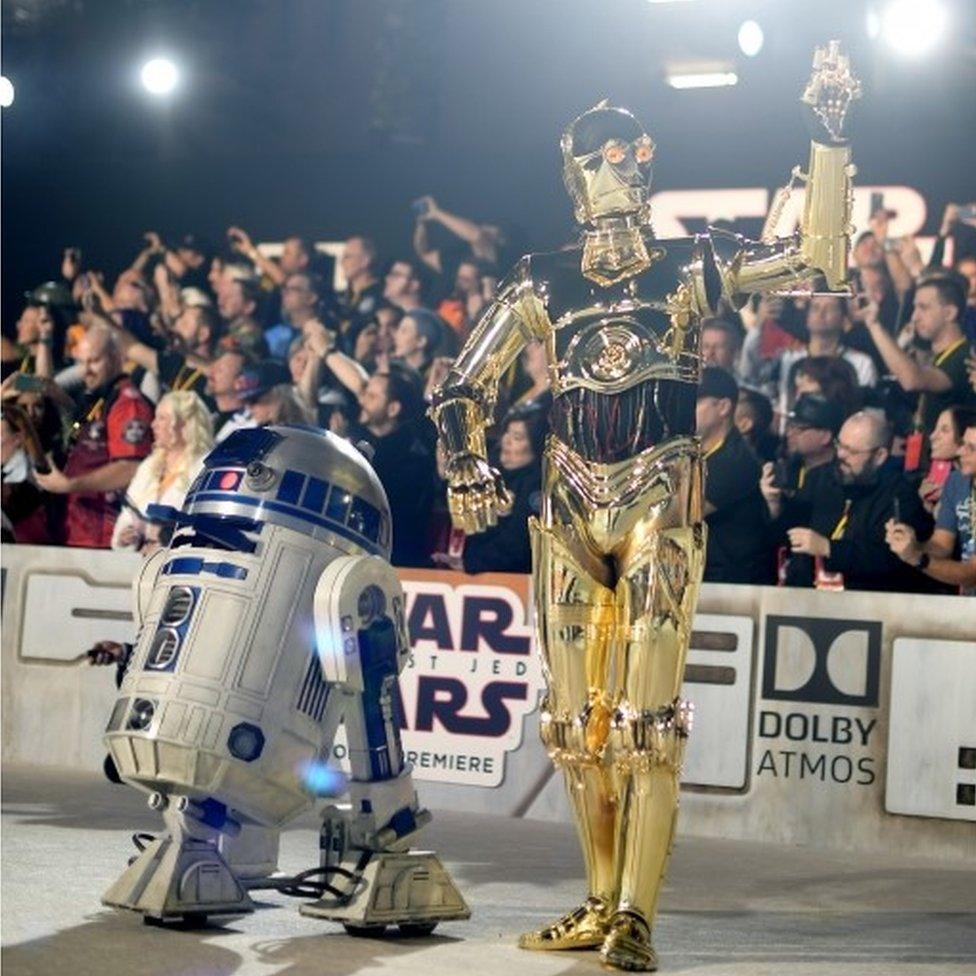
(791, 486)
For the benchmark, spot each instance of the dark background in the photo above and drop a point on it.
(326, 117)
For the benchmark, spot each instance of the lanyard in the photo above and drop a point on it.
(712, 450)
(841, 525)
(802, 476)
(946, 353)
(938, 361)
(184, 382)
(94, 414)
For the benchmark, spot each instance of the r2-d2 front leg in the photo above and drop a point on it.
(361, 638)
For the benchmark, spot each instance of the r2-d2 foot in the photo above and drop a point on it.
(375, 880)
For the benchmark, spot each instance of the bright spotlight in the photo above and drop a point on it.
(872, 23)
(6, 92)
(750, 38)
(912, 27)
(159, 76)
(702, 79)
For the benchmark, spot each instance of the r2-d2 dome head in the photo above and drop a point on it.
(301, 478)
(607, 164)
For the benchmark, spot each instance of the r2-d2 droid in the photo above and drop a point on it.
(273, 616)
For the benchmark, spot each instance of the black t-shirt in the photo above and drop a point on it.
(404, 462)
(176, 374)
(737, 542)
(952, 362)
(806, 487)
(505, 547)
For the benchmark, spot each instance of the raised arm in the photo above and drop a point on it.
(464, 403)
(823, 242)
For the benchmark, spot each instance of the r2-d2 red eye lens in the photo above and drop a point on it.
(229, 480)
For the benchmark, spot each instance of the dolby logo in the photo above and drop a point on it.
(830, 662)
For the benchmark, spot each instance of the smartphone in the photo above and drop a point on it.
(420, 207)
(967, 211)
(939, 472)
(27, 383)
(781, 473)
(896, 508)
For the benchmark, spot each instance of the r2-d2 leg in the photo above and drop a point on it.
(362, 644)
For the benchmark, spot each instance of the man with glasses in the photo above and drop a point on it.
(950, 555)
(846, 533)
(300, 297)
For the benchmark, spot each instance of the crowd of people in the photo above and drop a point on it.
(839, 432)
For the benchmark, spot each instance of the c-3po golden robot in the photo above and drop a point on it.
(618, 549)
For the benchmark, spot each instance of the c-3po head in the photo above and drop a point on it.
(607, 164)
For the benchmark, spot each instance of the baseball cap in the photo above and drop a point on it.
(50, 293)
(811, 410)
(718, 383)
(257, 378)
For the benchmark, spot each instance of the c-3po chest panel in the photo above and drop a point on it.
(624, 362)
(607, 339)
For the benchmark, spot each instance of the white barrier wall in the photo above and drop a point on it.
(830, 719)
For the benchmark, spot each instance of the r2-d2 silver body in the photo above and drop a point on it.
(273, 616)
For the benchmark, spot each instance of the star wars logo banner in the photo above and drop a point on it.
(472, 676)
(818, 721)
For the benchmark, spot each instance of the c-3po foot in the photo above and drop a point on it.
(628, 944)
(583, 928)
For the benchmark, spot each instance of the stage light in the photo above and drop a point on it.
(872, 23)
(6, 92)
(159, 76)
(750, 38)
(704, 79)
(912, 27)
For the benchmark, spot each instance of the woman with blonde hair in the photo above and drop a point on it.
(182, 436)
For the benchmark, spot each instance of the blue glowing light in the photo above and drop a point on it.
(321, 779)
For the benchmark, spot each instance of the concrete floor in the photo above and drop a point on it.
(729, 907)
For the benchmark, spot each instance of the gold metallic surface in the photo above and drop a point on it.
(583, 928)
(628, 944)
(618, 549)
(826, 227)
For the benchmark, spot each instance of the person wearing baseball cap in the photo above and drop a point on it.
(790, 486)
(737, 549)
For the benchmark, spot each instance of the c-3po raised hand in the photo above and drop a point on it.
(619, 547)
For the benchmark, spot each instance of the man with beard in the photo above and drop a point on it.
(393, 414)
(846, 534)
(112, 433)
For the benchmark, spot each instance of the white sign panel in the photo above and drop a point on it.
(932, 729)
(718, 681)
